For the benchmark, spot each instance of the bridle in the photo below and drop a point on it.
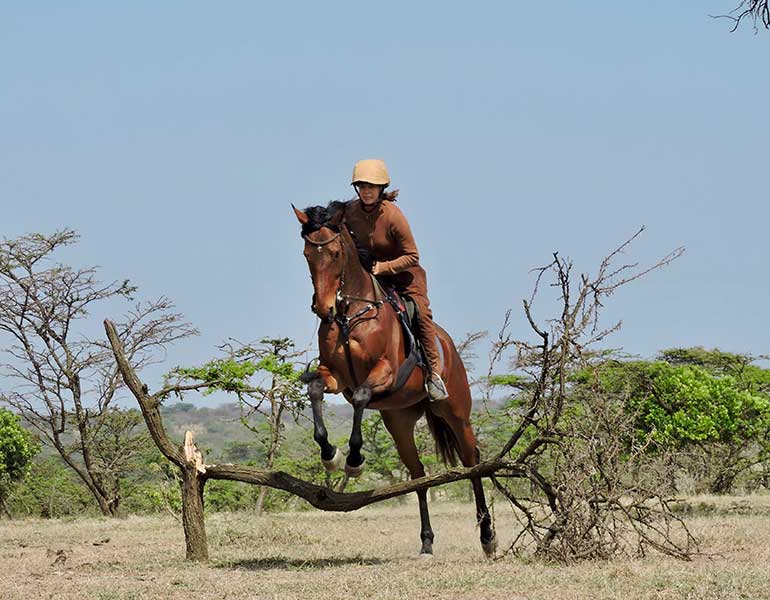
(340, 317)
(342, 299)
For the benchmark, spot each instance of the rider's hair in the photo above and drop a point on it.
(390, 196)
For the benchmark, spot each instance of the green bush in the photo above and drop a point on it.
(51, 490)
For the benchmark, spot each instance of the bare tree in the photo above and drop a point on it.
(589, 491)
(466, 347)
(65, 382)
(756, 11)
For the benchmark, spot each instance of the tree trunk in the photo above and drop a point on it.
(109, 507)
(4, 507)
(89, 479)
(192, 515)
(276, 411)
(723, 483)
(263, 489)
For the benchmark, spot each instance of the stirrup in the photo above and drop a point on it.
(436, 388)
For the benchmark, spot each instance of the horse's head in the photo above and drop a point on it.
(325, 254)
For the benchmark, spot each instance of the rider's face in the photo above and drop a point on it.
(368, 192)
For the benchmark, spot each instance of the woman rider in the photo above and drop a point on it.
(380, 227)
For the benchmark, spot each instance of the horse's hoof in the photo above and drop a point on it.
(490, 547)
(354, 471)
(425, 556)
(336, 463)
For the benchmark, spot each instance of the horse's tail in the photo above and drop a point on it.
(446, 443)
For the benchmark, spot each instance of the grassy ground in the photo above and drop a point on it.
(368, 554)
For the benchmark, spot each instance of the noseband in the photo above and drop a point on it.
(324, 242)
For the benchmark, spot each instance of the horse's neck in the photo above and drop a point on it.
(358, 282)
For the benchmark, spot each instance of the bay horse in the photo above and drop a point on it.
(361, 346)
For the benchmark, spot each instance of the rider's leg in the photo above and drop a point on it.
(427, 333)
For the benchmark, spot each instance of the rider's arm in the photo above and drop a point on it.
(400, 232)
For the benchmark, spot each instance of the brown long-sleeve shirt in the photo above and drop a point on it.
(385, 232)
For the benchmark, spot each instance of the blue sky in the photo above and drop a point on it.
(174, 136)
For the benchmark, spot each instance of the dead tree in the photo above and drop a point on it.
(584, 507)
(66, 382)
(591, 491)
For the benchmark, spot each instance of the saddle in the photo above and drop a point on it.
(408, 315)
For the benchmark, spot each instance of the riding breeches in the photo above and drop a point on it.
(427, 331)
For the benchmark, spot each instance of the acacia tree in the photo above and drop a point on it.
(65, 383)
(266, 379)
(712, 408)
(17, 449)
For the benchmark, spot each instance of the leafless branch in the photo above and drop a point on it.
(756, 11)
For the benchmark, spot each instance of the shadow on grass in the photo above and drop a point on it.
(294, 564)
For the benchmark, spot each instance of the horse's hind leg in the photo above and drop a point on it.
(400, 424)
(483, 518)
(331, 456)
(469, 455)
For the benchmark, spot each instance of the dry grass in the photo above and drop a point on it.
(368, 554)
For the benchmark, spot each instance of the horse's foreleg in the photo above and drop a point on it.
(380, 378)
(330, 455)
(354, 465)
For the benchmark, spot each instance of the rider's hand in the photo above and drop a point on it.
(376, 268)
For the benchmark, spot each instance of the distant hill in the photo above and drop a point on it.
(219, 428)
(221, 435)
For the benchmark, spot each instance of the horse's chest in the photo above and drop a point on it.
(337, 356)
(334, 352)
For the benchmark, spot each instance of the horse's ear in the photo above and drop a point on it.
(301, 217)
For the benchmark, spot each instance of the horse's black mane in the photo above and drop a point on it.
(323, 216)
(327, 216)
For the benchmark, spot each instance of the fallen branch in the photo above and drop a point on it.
(326, 499)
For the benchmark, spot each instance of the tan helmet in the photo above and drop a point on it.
(371, 170)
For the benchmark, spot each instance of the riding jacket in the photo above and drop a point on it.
(384, 231)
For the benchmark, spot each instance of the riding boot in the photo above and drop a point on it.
(427, 331)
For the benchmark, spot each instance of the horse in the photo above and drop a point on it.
(361, 346)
